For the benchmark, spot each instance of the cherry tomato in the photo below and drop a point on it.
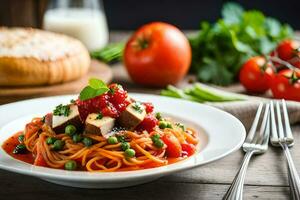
(286, 85)
(287, 49)
(149, 107)
(174, 148)
(255, 75)
(188, 149)
(148, 123)
(157, 54)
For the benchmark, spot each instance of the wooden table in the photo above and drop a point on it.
(266, 175)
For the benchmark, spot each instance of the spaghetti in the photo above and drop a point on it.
(101, 156)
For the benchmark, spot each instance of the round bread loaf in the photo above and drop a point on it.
(36, 57)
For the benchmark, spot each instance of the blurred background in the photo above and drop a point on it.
(130, 14)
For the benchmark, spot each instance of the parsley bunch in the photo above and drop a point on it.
(219, 49)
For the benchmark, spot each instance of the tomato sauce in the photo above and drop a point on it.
(9, 146)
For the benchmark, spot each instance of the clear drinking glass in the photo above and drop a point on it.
(82, 19)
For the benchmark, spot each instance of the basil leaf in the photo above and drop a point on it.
(88, 92)
(96, 83)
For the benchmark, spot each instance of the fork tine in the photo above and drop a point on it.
(259, 138)
(280, 126)
(254, 124)
(274, 135)
(265, 141)
(288, 130)
(264, 126)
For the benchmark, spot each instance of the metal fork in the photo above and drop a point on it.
(255, 143)
(282, 136)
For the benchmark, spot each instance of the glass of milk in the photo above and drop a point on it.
(81, 19)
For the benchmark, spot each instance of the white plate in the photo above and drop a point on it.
(220, 134)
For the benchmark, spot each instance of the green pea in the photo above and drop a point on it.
(50, 140)
(129, 153)
(159, 143)
(87, 142)
(70, 165)
(163, 124)
(58, 145)
(169, 125)
(158, 116)
(70, 129)
(77, 138)
(20, 149)
(125, 146)
(112, 140)
(21, 138)
(155, 136)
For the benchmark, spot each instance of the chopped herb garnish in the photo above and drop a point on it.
(138, 107)
(121, 138)
(112, 91)
(158, 116)
(21, 138)
(99, 116)
(44, 119)
(20, 149)
(62, 110)
(72, 101)
(95, 88)
(180, 125)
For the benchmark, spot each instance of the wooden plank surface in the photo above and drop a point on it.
(266, 176)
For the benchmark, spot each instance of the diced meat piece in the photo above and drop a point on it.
(96, 124)
(60, 122)
(132, 116)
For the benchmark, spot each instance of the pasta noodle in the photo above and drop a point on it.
(102, 156)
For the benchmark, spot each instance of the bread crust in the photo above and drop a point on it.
(30, 71)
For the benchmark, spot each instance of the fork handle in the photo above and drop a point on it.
(235, 192)
(293, 174)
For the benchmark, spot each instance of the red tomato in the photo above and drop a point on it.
(188, 149)
(157, 54)
(254, 77)
(287, 49)
(149, 107)
(283, 87)
(148, 123)
(174, 149)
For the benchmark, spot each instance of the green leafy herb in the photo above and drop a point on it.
(201, 93)
(95, 88)
(62, 110)
(110, 54)
(219, 49)
(72, 101)
(20, 149)
(137, 107)
(44, 119)
(121, 138)
(21, 138)
(180, 125)
(99, 116)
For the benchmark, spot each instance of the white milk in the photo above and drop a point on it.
(87, 25)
